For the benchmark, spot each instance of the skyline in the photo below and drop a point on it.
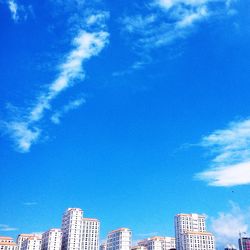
(136, 109)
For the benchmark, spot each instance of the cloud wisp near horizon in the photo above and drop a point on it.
(26, 129)
(7, 228)
(230, 149)
(226, 226)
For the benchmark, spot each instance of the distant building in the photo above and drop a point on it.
(32, 243)
(138, 248)
(120, 239)
(79, 233)
(52, 239)
(7, 243)
(22, 237)
(191, 234)
(158, 243)
(230, 247)
(244, 243)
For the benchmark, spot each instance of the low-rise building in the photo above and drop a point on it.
(32, 243)
(158, 243)
(119, 239)
(7, 243)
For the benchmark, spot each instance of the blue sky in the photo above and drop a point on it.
(132, 110)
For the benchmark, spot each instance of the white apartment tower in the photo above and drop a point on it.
(79, 233)
(191, 234)
(32, 243)
(72, 229)
(52, 239)
(7, 243)
(119, 239)
(158, 243)
(91, 229)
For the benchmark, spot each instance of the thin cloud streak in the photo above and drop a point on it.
(230, 148)
(7, 228)
(30, 203)
(25, 131)
(56, 117)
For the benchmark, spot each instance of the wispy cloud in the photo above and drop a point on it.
(30, 203)
(230, 149)
(13, 7)
(7, 228)
(146, 235)
(227, 225)
(18, 11)
(56, 117)
(169, 20)
(25, 130)
(165, 21)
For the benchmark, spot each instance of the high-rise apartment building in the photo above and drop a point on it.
(52, 239)
(91, 229)
(244, 243)
(32, 243)
(7, 243)
(158, 243)
(191, 234)
(120, 239)
(72, 229)
(79, 233)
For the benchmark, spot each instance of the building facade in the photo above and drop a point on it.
(91, 229)
(230, 247)
(191, 234)
(52, 239)
(244, 243)
(120, 239)
(7, 243)
(158, 243)
(138, 248)
(103, 246)
(79, 233)
(32, 243)
(22, 237)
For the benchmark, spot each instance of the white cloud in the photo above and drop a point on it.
(7, 228)
(97, 19)
(13, 7)
(25, 131)
(18, 11)
(167, 4)
(30, 203)
(230, 149)
(168, 20)
(227, 225)
(164, 22)
(56, 117)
